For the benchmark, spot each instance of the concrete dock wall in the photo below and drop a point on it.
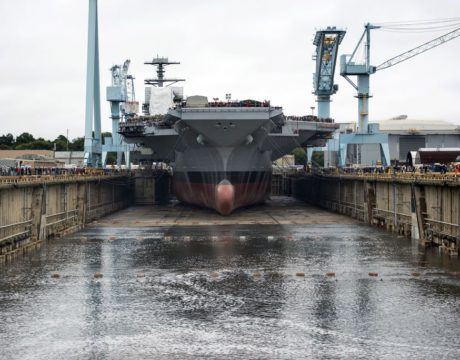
(152, 187)
(33, 210)
(423, 209)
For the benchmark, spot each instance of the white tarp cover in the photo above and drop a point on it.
(161, 99)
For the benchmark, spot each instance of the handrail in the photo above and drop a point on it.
(12, 236)
(450, 176)
(97, 206)
(442, 222)
(16, 224)
(390, 212)
(63, 213)
(24, 179)
(351, 206)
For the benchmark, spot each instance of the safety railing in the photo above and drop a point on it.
(61, 217)
(13, 232)
(441, 228)
(97, 210)
(57, 222)
(451, 177)
(26, 179)
(354, 210)
(391, 217)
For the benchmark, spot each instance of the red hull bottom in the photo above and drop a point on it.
(223, 197)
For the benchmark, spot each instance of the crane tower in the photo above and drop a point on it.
(327, 42)
(349, 65)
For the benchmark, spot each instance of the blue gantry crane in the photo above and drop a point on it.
(349, 65)
(327, 43)
(117, 94)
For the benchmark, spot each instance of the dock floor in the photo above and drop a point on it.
(277, 211)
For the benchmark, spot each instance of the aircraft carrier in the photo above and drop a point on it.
(221, 152)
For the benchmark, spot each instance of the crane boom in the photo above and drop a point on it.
(419, 49)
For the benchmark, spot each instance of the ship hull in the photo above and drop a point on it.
(223, 191)
(221, 157)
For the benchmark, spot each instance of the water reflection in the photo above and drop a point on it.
(230, 292)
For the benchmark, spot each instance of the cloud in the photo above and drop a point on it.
(251, 49)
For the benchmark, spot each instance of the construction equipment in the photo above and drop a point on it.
(327, 42)
(119, 93)
(349, 65)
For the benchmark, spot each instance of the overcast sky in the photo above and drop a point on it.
(252, 49)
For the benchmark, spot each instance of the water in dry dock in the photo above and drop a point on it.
(257, 290)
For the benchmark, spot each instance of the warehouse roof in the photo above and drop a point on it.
(403, 124)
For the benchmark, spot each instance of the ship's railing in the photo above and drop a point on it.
(243, 103)
(228, 109)
(138, 125)
(310, 118)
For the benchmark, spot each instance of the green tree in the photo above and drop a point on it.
(39, 144)
(111, 158)
(24, 138)
(7, 141)
(317, 158)
(61, 143)
(77, 144)
(300, 157)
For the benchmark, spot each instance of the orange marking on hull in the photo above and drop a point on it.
(225, 196)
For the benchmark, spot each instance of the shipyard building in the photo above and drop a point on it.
(404, 135)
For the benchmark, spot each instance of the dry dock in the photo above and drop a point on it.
(425, 207)
(280, 210)
(324, 287)
(282, 280)
(35, 208)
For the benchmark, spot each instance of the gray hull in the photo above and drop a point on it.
(222, 157)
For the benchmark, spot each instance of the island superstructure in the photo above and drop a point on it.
(221, 152)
